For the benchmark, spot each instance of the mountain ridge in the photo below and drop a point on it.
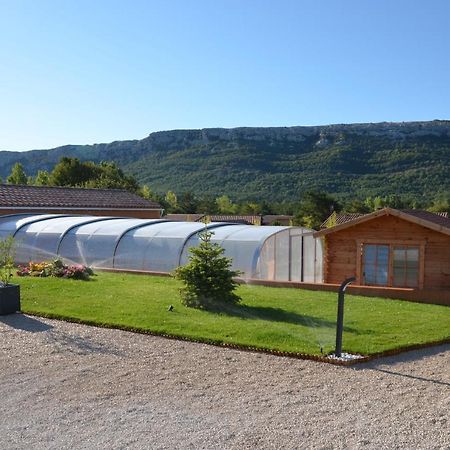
(275, 162)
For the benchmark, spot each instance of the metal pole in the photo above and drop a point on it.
(340, 316)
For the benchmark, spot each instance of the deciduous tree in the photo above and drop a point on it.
(314, 208)
(18, 175)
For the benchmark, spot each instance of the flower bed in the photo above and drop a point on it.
(55, 268)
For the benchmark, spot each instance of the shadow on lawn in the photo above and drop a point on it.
(275, 315)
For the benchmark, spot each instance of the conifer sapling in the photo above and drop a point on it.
(208, 278)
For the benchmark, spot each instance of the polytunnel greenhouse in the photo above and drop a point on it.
(158, 245)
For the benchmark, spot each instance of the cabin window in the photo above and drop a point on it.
(391, 265)
(376, 264)
(406, 267)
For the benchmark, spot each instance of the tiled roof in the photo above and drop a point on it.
(250, 220)
(67, 197)
(435, 221)
(439, 218)
(268, 219)
(277, 216)
(185, 217)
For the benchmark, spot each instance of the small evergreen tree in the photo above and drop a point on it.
(208, 279)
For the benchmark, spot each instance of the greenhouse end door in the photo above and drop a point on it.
(295, 255)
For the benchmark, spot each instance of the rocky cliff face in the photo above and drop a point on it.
(178, 139)
(390, 130)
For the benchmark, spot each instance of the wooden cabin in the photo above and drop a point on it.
(405, 251)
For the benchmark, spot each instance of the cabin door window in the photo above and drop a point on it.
(376, 264)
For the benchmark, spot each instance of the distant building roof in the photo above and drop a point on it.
(248, 220)
(15, 196)
(185, 217)
(283, 219)
(338, 218)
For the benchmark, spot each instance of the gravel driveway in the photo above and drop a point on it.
(72, 386)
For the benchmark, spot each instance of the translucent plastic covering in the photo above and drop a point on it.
(10, 224)
(242, 243)
(158, 245)
(292, 254)
(40, 239)
(94, 244)
(318, 272)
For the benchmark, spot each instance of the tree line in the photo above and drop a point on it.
(310, 210)
(75, 173)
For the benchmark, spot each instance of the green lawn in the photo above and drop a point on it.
(274, 318)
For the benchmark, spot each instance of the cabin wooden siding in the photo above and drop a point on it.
(342, 257)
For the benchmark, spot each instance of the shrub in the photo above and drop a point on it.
(55, 269)
(208, 279)
(7, 253)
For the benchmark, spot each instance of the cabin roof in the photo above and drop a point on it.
(433, 221)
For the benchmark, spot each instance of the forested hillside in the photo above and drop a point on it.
(276, 164)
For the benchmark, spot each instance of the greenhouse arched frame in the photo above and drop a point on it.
(273, 253)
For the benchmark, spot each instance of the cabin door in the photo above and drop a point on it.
(376, 264)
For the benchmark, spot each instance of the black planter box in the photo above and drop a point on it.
(9, 299)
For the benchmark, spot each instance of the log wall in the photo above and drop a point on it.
(342, 249)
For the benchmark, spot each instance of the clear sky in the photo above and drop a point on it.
(89, 71)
